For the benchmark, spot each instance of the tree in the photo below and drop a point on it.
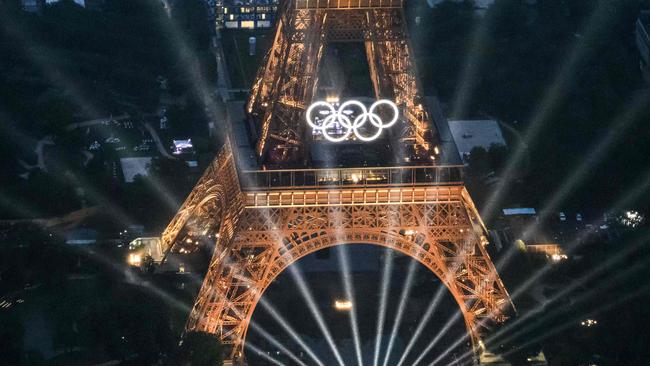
(148, 264)
(479, 162)
(440, 40)
(11, 340)
(200, 349)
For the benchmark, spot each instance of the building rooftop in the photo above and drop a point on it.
(469, 134)
(134, 166)
(519, 211)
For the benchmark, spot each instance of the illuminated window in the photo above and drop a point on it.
(232, 16)
(248, 24)
(225, 10)
(263, 16)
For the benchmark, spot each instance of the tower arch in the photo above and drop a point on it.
(265, 219)
(263, 231)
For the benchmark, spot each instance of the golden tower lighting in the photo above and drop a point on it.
(264, 220)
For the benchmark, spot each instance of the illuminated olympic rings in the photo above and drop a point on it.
(339, 116)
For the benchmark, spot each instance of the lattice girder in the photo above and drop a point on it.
(214, 203)
(440, 235)
(287, 81)
(258, 233)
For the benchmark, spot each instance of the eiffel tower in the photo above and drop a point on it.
(264, 202)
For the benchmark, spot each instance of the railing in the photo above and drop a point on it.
(347, 4)
(352, 177)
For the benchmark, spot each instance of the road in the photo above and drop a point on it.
(93, 122)
(224, 84)
(156, 138)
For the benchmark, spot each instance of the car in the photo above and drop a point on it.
(94, 146)
(142, 147)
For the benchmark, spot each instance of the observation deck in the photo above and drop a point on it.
(352, 177)
(351, 186)
(347, 4)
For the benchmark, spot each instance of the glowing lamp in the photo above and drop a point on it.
(135, 259)
(343, 305)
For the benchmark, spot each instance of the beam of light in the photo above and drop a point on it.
(438, 337)
(593, 313)
(348, 287)
(505, 258)
(451, 348)
(620, 126)
(598, 21)
(582, 299)
(406, 290)
(45, 59)
(165, 195)
(92, 193)
(445, 329)
(256, 327)
(89, 189)
(19, 142)
(114, 210)
(480, 41)
(386, 272)
(305, 292)
(313, 308)
(575, 284)
(503, 336)
(270, 338)
(263, 354)
(122, 269)
(633, 193)
(433, 305)
(287, 328)
(617, 258)
(17, 208)
(191, 67)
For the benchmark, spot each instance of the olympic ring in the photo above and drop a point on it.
(340, 117)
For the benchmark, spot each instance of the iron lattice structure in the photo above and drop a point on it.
(287, 82)
(274, 218)
(260, 222)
